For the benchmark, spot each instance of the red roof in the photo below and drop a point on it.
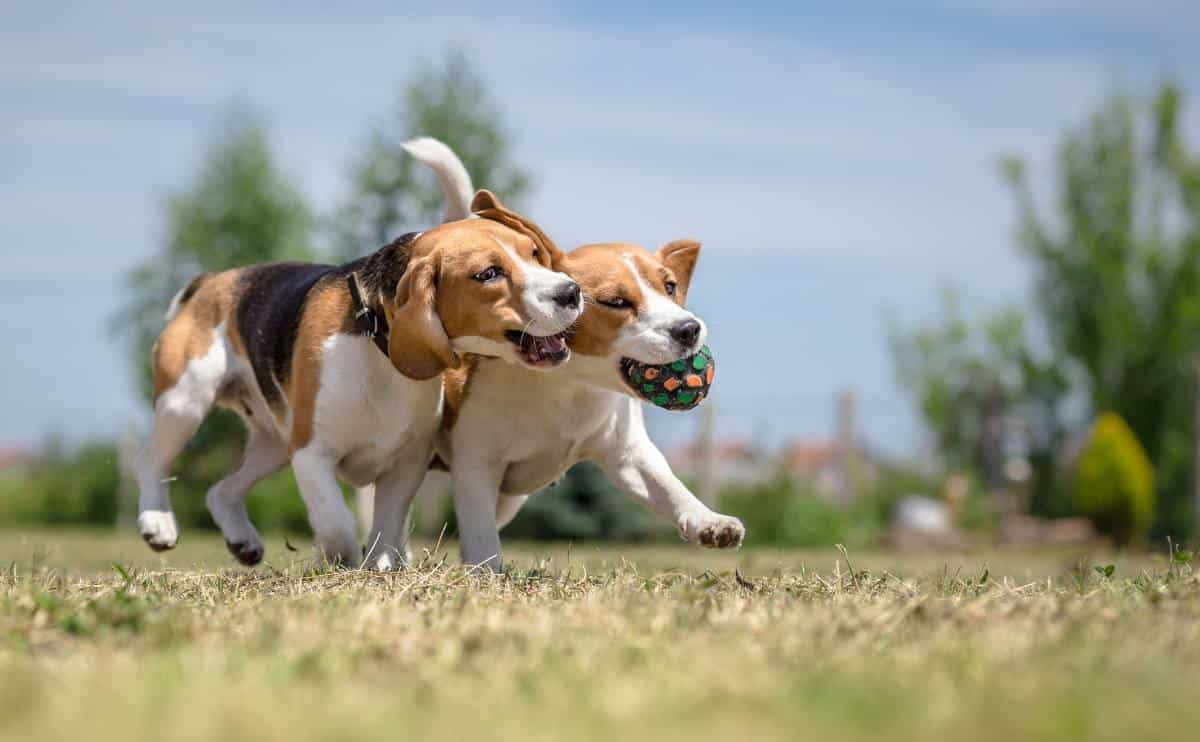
(726, 451)
(809, 456)
(14, 456)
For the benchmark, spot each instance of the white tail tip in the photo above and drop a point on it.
(456, 182)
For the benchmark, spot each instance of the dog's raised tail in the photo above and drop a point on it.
(456, 182)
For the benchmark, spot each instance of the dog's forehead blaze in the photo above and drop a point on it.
(602, 271)
(651, 270)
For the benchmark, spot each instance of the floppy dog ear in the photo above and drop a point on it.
(680, 257)
(417, 341)
(485, 199)
(487, 206)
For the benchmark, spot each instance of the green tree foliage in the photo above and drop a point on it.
(391, 193)
(1118, 276)
(954, 367)
(240, 209)
(966, 373)
(1114, 483)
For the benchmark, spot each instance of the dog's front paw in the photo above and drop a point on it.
(713, 531)
(158, 529)
(249, 552)
(387, 559)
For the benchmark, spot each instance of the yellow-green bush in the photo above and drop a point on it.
(1114, 482)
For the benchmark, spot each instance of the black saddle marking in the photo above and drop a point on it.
(273, 298)
(268, 318)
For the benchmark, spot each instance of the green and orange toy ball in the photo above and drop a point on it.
(672, 386)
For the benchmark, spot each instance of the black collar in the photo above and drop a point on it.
(368, 321)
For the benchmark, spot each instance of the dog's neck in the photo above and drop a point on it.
(379, 273)
(593, 371)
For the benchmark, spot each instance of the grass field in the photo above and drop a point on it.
(628, 643)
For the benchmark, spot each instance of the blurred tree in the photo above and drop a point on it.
(1118, 278)
(240, 209)
(967, 377)
(391, 193)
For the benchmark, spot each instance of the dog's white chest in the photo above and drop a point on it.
(534, 425)
(366, 411)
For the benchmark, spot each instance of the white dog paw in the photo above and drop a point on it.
(387, 559)
(158, 529)
(713, 531)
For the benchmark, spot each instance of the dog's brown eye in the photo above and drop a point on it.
(670, 287)
(616, 302)
(490, 274)
(537, 254)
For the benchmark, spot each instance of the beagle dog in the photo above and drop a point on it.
(338, 369)
(510, 429)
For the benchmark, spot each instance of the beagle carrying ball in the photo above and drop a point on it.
(511, 429)
(337, 369)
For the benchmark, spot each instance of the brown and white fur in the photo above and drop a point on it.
(509, 431)
(280, 345)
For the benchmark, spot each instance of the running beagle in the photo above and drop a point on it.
(339, 369)
(510, 430)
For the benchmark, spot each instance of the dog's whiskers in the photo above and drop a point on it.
(525, 331)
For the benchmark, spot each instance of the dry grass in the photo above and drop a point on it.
(665, 643)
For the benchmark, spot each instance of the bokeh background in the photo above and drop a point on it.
(950, 265)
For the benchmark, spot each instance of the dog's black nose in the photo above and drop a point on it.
(686, 332)
(568, 296)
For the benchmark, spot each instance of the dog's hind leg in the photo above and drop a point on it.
(178, 412)
(387, 542)
(507, 507)
(265, 454)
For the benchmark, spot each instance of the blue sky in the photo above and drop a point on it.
(837, 163)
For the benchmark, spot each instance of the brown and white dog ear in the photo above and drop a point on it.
(485, 199)
(417, 342)
(486, 205)
(680, 257)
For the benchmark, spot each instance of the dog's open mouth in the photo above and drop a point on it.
(544, 352)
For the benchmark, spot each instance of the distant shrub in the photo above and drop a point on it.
(1114, 482)
(786, 512)
(82, 486)
(76, 486)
